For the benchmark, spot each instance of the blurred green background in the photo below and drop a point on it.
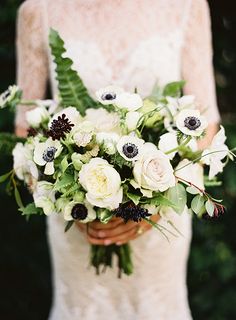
(25, 279)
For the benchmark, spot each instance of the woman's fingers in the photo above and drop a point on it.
(97, 225)
(111, 232)
(124, 237)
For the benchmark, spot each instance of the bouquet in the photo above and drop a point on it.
(89, 158)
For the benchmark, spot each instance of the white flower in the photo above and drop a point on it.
(50, 105)
(45, 153)
(102, 183)
(76, 160)
(8, 96)
(83, 133)
(167, 142)
(191, 123)
(217, 151)
(132, 118)
(108, 94)
(24, 166)
(130, 147)
(83, 212)
(71, 113)
(129, 101)
(108, 140)
(192, 172)
(151, 208)
(44, 197)
(153, 170)
(103, 120)
(36, 116)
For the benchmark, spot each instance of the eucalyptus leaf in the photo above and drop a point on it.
(197, 204)
(192, 190)
(210, 207)
(160, 200)
(178, 196)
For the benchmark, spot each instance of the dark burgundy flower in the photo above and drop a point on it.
(130, 211)
(60, 127)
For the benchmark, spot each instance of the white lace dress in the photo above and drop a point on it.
(132, 43)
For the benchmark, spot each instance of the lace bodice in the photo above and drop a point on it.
(132, 43)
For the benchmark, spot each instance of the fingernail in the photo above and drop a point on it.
(107, 242)
(118, 243)
(101, 234)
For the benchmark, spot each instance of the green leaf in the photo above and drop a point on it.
(134, 197)
(65, 181)
(192, 190)
(5, 176)
(18, 198)
(178, 196)
(8, 142)
(197, 204)
(71, 87)
(69, 225)
(160, 200)
(210, 207)
(173, 89)
(104, 215)
(64, 163)
(30, 209)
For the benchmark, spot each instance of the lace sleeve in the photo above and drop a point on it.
(32, 67)
(197, 59)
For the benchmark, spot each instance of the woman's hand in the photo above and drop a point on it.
(115, 231)
(21, 132)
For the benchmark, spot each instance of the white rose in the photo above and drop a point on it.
(36, 116)
(23, 164)
(44, 197)
(167, 142)
(103, 120)
(71, 113)
(102, 183)
(129, 101)
(108, 140)
(132, 118)
(191, 172)
(153, 170)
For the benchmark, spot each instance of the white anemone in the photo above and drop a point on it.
(130, 147)
(83, 212)
(129, 101)
(191, 123)
(108, 94)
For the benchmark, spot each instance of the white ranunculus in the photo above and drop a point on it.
(153, 170)
(36, 116)
(130, 147)
(103, 120)
(108, 140)
(108, 94)
(23, 164)
(216, 152)
(191, 172)
(129, 101)
(45, 153)
(71, 113)
(83, 133)
(132, 118)
(44, 197)
(85, 207)
(102, 183)
(190, 122)
(167, 142)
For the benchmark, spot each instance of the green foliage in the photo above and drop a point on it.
(173, 89)
(178, 196)
(8, 142)
(197, 204)
(71, 87)
(30, 210)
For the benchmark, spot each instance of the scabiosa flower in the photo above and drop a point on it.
(59, 127)
(130, 211)
(191, 123)
(129, 147)
(45, 153)
(77, 211)
(108, 94)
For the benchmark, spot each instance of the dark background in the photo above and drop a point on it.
(25, 288)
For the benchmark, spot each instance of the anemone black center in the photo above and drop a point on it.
(49, 154)
(192, 123)
(109, 96)
(79, 212)
(130, 150)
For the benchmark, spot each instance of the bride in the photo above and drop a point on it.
(133, 44)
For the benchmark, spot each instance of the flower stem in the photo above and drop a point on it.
(185, 142)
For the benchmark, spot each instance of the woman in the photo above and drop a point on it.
(131, 43)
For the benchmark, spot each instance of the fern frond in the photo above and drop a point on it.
(71, 87)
